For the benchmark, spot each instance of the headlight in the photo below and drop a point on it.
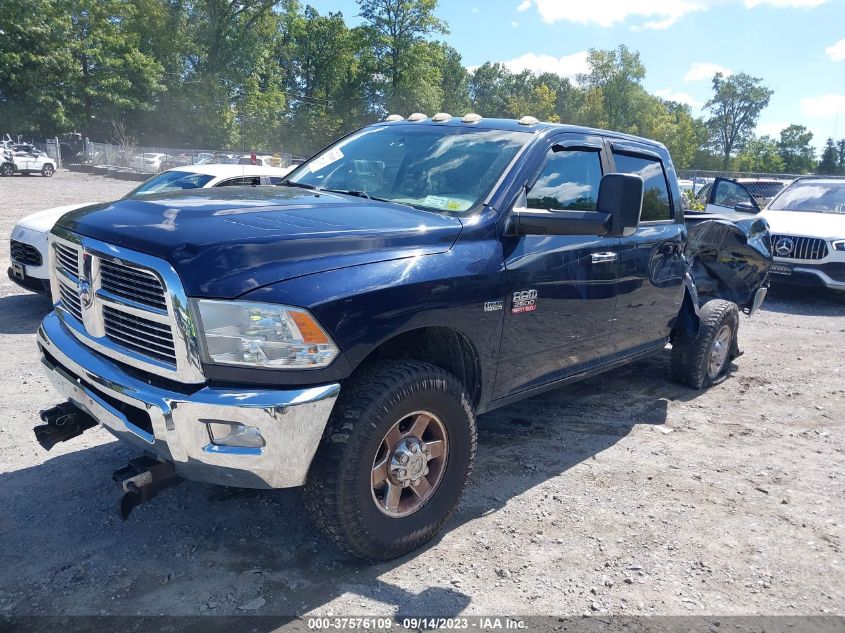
(263, 335)
(839, 245)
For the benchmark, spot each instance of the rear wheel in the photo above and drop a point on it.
(394, 460)
(702, 360)
(47, 171)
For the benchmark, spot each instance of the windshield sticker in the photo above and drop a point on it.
(435, 201)
(455, 205)
(332, 156)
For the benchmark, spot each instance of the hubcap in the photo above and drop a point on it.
(719, 351)
(409, 464)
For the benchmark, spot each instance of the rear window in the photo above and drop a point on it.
(656, 205)
(171, 181)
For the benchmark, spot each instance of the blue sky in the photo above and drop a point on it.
(796, 46)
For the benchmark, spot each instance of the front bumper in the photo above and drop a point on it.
(33, 284)
(829, 272)
(173, 425)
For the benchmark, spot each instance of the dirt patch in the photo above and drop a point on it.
(625, 494)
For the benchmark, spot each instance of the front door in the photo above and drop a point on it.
(562, 289)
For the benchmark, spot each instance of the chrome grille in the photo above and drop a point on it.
(132, 283)
(139, 334)
(125, 305)
(67, 258)
(71, 301)
(802, 247)
(24, 253)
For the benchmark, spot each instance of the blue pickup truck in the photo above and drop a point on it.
(342, 332)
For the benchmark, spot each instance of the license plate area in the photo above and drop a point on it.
(18, 270)
(781, 269)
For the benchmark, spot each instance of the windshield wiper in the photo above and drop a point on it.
(301, 185)
(351, 192)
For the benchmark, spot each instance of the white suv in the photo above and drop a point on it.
(28, 246)
(32, 161)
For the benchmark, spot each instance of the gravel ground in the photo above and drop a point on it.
(624, 494)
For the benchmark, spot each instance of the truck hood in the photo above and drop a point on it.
(806, 223)
(43, 221)
(228, 241)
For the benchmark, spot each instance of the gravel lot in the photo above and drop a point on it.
(624, 494)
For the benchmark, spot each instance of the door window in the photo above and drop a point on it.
(239, 182)
(656, 205)
(728, 194)
(569, 181)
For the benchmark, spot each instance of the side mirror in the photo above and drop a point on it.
(621, 195)
(620, 203)
(746, 207)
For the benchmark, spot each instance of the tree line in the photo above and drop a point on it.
(278, 74)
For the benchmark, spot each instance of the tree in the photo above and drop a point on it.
(760, 155)
(735, 107)
(841, 160)
(830, 157)
(796, 150)
(618, 75)
(397, 27)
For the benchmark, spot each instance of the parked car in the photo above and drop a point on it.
(343, 331)
(150, 162)
(28, 245)
(33, 161)
(262, 159)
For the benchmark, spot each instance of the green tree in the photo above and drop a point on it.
(618, 75)
(840, 146)
(796, 149)
(830, 157)
(759, 155)
(735, 108)
(398, 27)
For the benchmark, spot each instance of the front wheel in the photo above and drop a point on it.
(7, 169)
(47, 171)
(394, 459)
(702, 360)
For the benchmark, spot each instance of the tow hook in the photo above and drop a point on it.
(141, 480)
(63, 422)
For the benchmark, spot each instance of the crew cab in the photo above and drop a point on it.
(28, 242)
(343, 332)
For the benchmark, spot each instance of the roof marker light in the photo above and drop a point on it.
(528, 120)
(441, 117)
(472, 117)
(395, 117)
(417, 116)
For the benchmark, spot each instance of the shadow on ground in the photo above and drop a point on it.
(204, 549)
(802, 300)
(22, 313)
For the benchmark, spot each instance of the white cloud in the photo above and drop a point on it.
(680, 97)
(524, 6)
(514, 23)
(836, 52)
(702, 71)
(609, 12)
(785, 4)
(824, 105)
(475, 10)
(566, 66)
(770, 129)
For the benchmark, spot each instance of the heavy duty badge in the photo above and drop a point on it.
(524, 301)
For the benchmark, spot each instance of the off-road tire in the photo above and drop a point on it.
(339, 491)
(691, 354)
(47, 171)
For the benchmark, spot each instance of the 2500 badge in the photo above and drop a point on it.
(524, 301)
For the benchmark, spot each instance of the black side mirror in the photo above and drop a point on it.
(621, 195)
(746, 207)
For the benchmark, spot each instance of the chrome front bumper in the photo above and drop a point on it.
(174, 425)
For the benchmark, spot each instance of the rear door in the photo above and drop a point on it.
(651, 262)
(562, 289)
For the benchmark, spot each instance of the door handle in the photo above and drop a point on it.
(604, 258)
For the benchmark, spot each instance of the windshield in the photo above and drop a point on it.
(818, 197)
(171, 181)
(431, 167)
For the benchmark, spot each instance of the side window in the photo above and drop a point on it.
(729, 194)
(656, 204)
(569, 181)
(238, 182)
